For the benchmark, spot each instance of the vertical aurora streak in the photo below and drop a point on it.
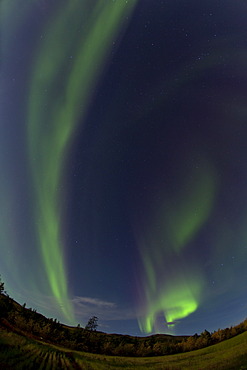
(66, 70)
(123, 161)
(163, 251)
(173, 226)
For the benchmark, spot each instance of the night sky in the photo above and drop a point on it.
(123, 162)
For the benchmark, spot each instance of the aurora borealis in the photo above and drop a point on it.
(123, 162)
(50, 126)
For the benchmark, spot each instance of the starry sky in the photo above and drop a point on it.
(123, 162)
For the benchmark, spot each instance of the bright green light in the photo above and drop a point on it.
(171, 285)
(175, 303)
(67, 67)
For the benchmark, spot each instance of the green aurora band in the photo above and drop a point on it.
(163, 250)
(175, 223)
(70, 56)
(67, 67)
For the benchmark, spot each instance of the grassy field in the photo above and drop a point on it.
(18, 352)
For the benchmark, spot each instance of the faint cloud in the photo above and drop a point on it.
(92, 301)
(85, 307)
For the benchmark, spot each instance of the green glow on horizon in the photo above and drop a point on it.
(176, 303)
(67, 67)
(164, 247)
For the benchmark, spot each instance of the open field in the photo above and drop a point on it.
(19, 352)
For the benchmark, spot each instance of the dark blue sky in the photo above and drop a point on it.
(124, 161)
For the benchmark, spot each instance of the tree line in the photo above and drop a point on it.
(27, 321)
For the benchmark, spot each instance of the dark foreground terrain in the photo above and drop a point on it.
(20, 352)
(29, 340)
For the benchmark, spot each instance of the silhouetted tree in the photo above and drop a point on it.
(1, 286)
(92, 324)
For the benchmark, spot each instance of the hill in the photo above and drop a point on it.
(27, 322)
(27, 337)
(20, 352)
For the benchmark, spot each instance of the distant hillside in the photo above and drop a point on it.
(26, 322)
(22, 353)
